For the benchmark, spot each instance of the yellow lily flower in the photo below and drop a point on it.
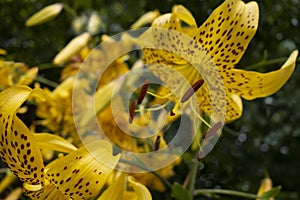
(224, 37)
(118, 189)
(79, 175)
(12, 73)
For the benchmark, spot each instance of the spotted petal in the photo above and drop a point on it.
(47, 192)
(251, 85)
(227, 32)
(18, 147)
(82, 173)
(233, 107)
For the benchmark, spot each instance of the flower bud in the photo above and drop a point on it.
(72, 48)
(94, 24)
(147, 18)
(265, 186)
(44, 15)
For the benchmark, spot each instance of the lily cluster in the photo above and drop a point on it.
(58, 165)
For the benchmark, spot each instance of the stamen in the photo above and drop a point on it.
(213, 130)
(157, 143)
(143, 91)
(200, 156)
(155, 108)
(158, 96)
(201, 118)
(131, 111)
(192, 90)
(172, 113)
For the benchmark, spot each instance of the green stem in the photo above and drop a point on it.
(266, 62)
(160, 177)
(70, 10)
(46, 81)
(193, 177)
(227, 192)
(3, 170)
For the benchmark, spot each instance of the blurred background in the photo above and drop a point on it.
(266, 140)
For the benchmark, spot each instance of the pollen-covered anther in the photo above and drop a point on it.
(213, 130)
(157, 143)
(131, 111)
(195, 87)
(143, 91)
(172, 113)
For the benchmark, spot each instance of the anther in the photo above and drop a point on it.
(143, 91)
(172, 113)
(157, 143)
(195, 87)
(200, 156)
(213, 130)
(131, 111)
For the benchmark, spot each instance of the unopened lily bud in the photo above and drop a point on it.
(94, 24)
(147, 18)
(44, 15)
(72, 48)
(265, 186)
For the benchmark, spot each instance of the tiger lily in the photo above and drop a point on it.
(223, 38)
(79, 175)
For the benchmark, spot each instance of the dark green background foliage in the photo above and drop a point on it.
(267, 137)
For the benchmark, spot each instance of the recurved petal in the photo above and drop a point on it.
(82, 173)
(234, 107)
(251, 85)
(232, 110)
(18, 147)
(116, 190)
(163, 41)
(48, 192)
(141, 190)
(184, 14)
(227, 32)
(54, 142)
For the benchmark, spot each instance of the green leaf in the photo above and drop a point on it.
(270, 194)
(180, 193)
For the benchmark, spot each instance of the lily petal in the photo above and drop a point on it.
(184, 14)
(18, 147)
(141, 191)
(47, 192)
(116, 189)
(82, 173)
(54, 142)
(227, 32)
(251, 85)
